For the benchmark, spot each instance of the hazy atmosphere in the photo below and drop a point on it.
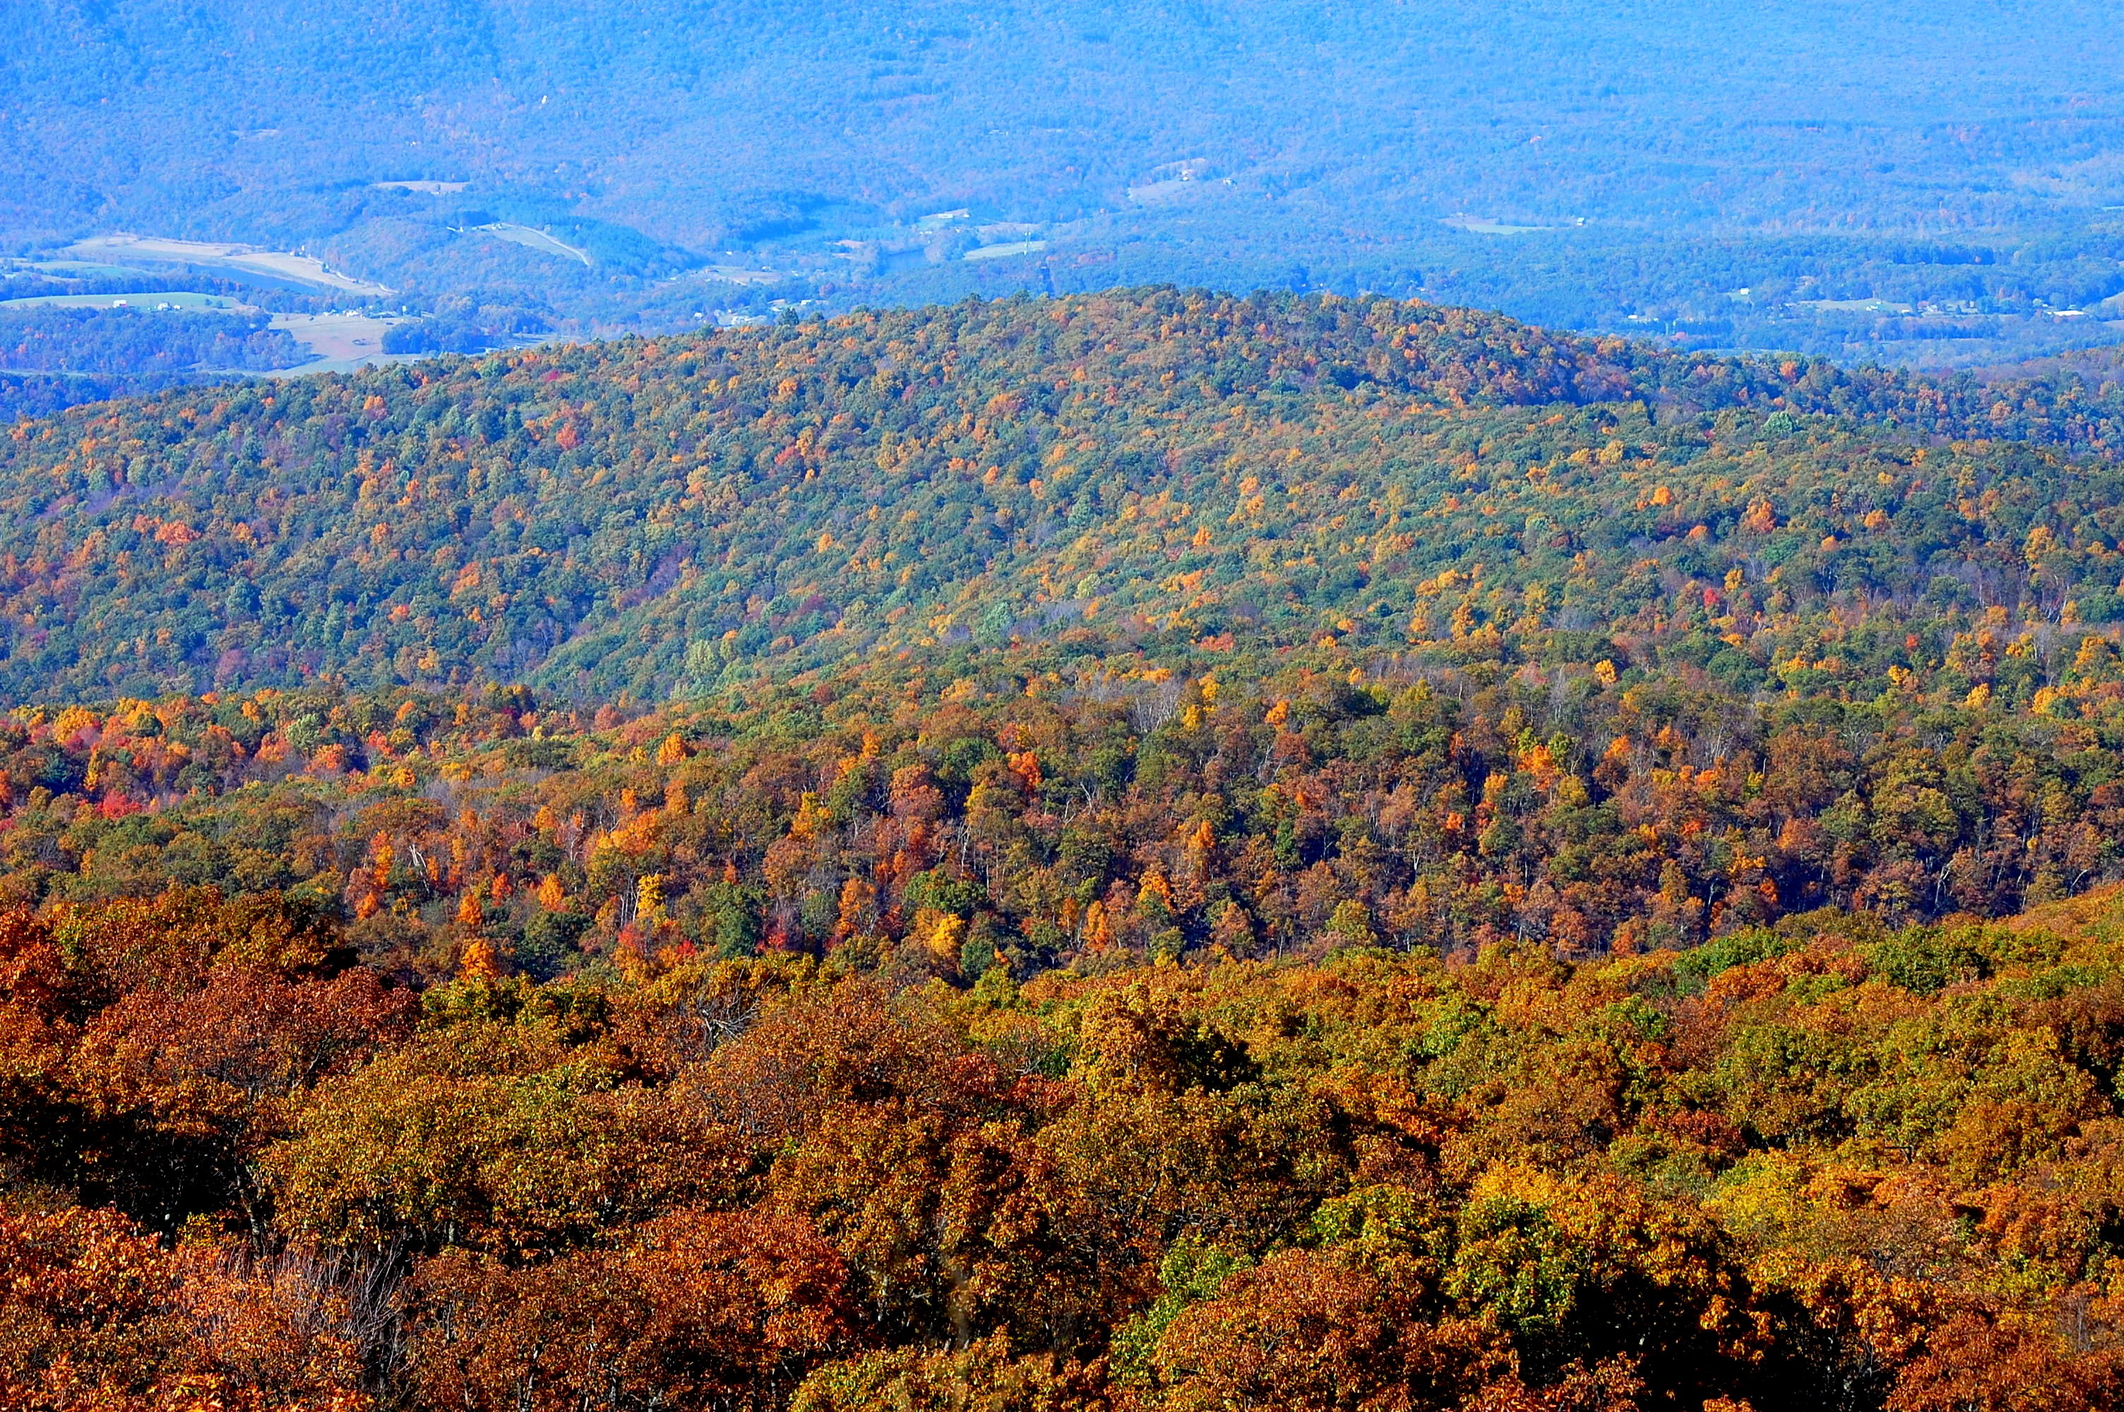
(1922, 186)
(1061, 707)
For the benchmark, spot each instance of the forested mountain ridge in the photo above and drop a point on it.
(659, 515)
(1439, 624)
(1140, 853)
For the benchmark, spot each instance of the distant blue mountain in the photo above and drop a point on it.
(1721, 173)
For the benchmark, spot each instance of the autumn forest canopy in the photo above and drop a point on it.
(1147, 850)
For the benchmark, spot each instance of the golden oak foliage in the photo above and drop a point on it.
(693, 1309)
(491, 1136)
(1832, 1164)
(96, 1317)
(1306, 1333)
(982, 1377)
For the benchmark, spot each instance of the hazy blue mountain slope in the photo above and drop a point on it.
(1810, 115)
(1918, 185)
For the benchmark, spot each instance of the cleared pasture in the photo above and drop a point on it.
(335, 338)
(150, 301)
(1005, 251)
(280, 264)
(534, 239)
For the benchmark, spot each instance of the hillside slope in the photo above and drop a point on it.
(1297, 853)
(1436, 623)
(1095, 474)
(1830, 1166)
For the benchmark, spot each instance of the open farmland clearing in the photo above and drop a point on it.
(147, 301)
(1006, 250)
(339, 340)
(534, 239)
(302, 269)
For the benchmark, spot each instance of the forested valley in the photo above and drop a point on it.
(1148, 850)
